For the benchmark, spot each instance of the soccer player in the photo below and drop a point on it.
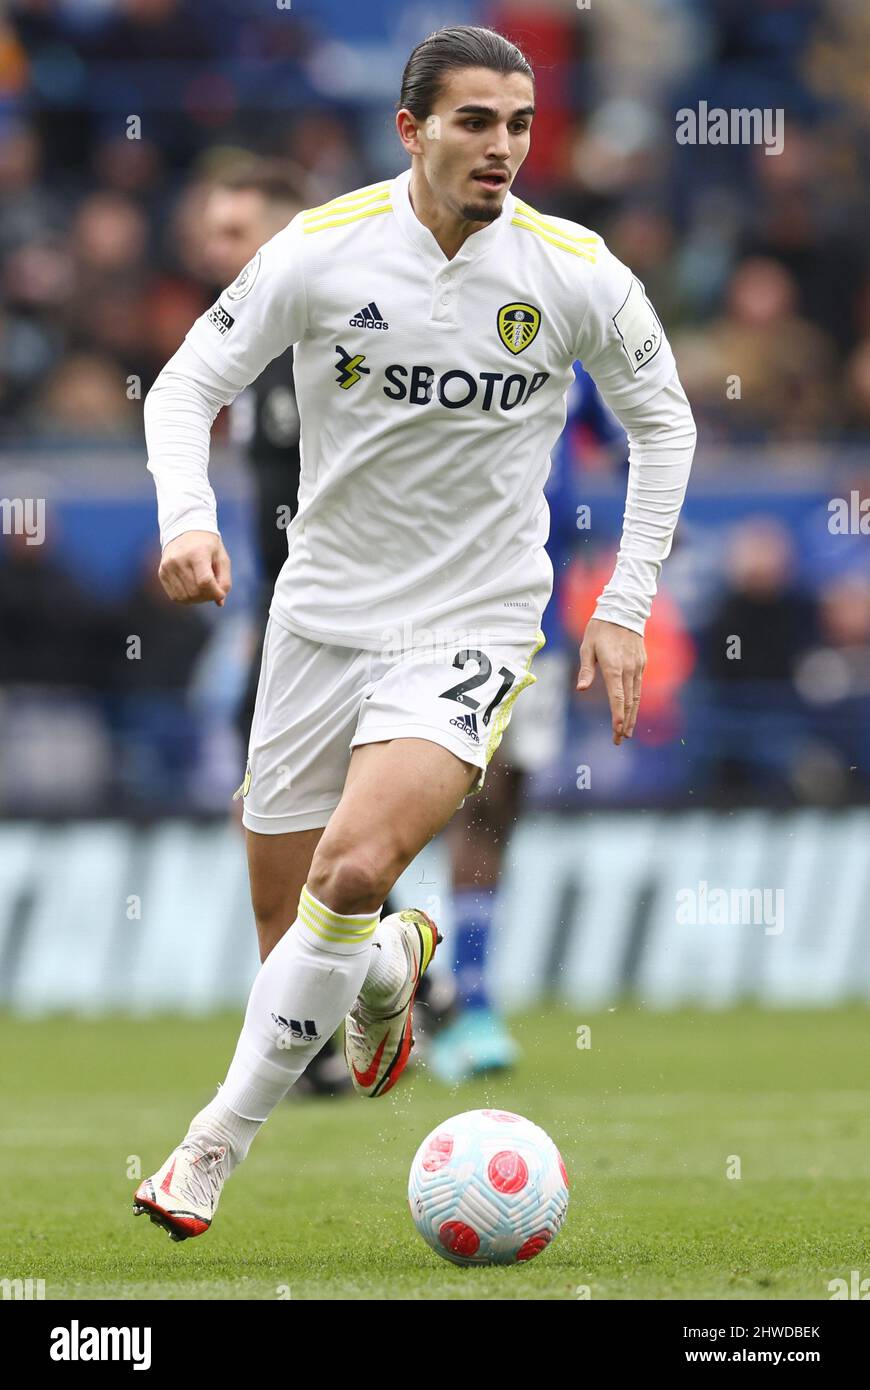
(436, 318)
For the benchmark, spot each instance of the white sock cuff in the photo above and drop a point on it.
(332, 931)
(254, 1084)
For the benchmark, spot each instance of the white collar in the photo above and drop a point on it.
(474, 246)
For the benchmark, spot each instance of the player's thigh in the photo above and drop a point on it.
(308, 703)
(426, 733)
(397, 796)
(278, 867)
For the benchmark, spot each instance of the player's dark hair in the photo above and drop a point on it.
(447, 50)
(277, 182)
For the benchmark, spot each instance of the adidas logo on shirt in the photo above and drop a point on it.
(468, 724)
(369, 317)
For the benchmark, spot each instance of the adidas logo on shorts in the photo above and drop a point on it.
(468, 724)
(369, 317)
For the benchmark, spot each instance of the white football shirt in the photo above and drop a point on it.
(430, 393)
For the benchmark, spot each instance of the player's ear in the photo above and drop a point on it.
(408, 130)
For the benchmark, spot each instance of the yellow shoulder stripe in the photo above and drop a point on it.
(348, 201)
(534, 216)
(585, 255)
(589, 244)
(351, 217)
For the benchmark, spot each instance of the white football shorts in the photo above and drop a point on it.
(536, 734)
(316, 702)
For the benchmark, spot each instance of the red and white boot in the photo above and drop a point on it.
(182, 1195)
(377, 1044)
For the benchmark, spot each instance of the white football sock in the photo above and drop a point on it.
(301, 994)
(388, 968)
(216, 1123)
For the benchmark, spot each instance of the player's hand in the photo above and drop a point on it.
(621, 655)
(195, 568)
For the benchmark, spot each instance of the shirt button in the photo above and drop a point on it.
(445, 299)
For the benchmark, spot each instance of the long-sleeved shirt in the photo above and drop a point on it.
(431, 391)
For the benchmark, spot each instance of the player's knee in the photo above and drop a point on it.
(349, 880)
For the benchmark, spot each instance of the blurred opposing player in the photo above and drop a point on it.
(437, 319)
(244, 210)
(477, 1039)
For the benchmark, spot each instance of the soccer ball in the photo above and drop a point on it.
(488, 1188)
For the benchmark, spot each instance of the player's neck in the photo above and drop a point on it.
(450, 232)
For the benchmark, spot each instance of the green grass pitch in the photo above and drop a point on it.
(647, 1119)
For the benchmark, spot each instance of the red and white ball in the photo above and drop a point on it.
(488, 1187)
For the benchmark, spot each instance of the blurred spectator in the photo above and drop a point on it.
(833, 678)
(808, 232)
(763, 609)
(151, 650)
(762, 628)
(761, 371)
(85, 398)
(670, 652)
(48, 625)
(858, 389)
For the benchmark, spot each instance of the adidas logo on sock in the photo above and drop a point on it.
(468, 724)
(369, 317)
(290, 1030)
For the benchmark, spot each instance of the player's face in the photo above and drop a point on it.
(236, 225)
(233, 223)
(471, 153)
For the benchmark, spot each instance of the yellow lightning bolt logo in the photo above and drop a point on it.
(350, 369)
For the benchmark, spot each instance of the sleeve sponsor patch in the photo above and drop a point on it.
(218, 316)
(638, 326)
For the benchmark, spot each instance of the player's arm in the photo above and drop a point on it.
(254, 320)
(623, 347)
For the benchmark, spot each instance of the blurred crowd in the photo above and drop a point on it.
(117, 117)
(115, 114)
(757, 689)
